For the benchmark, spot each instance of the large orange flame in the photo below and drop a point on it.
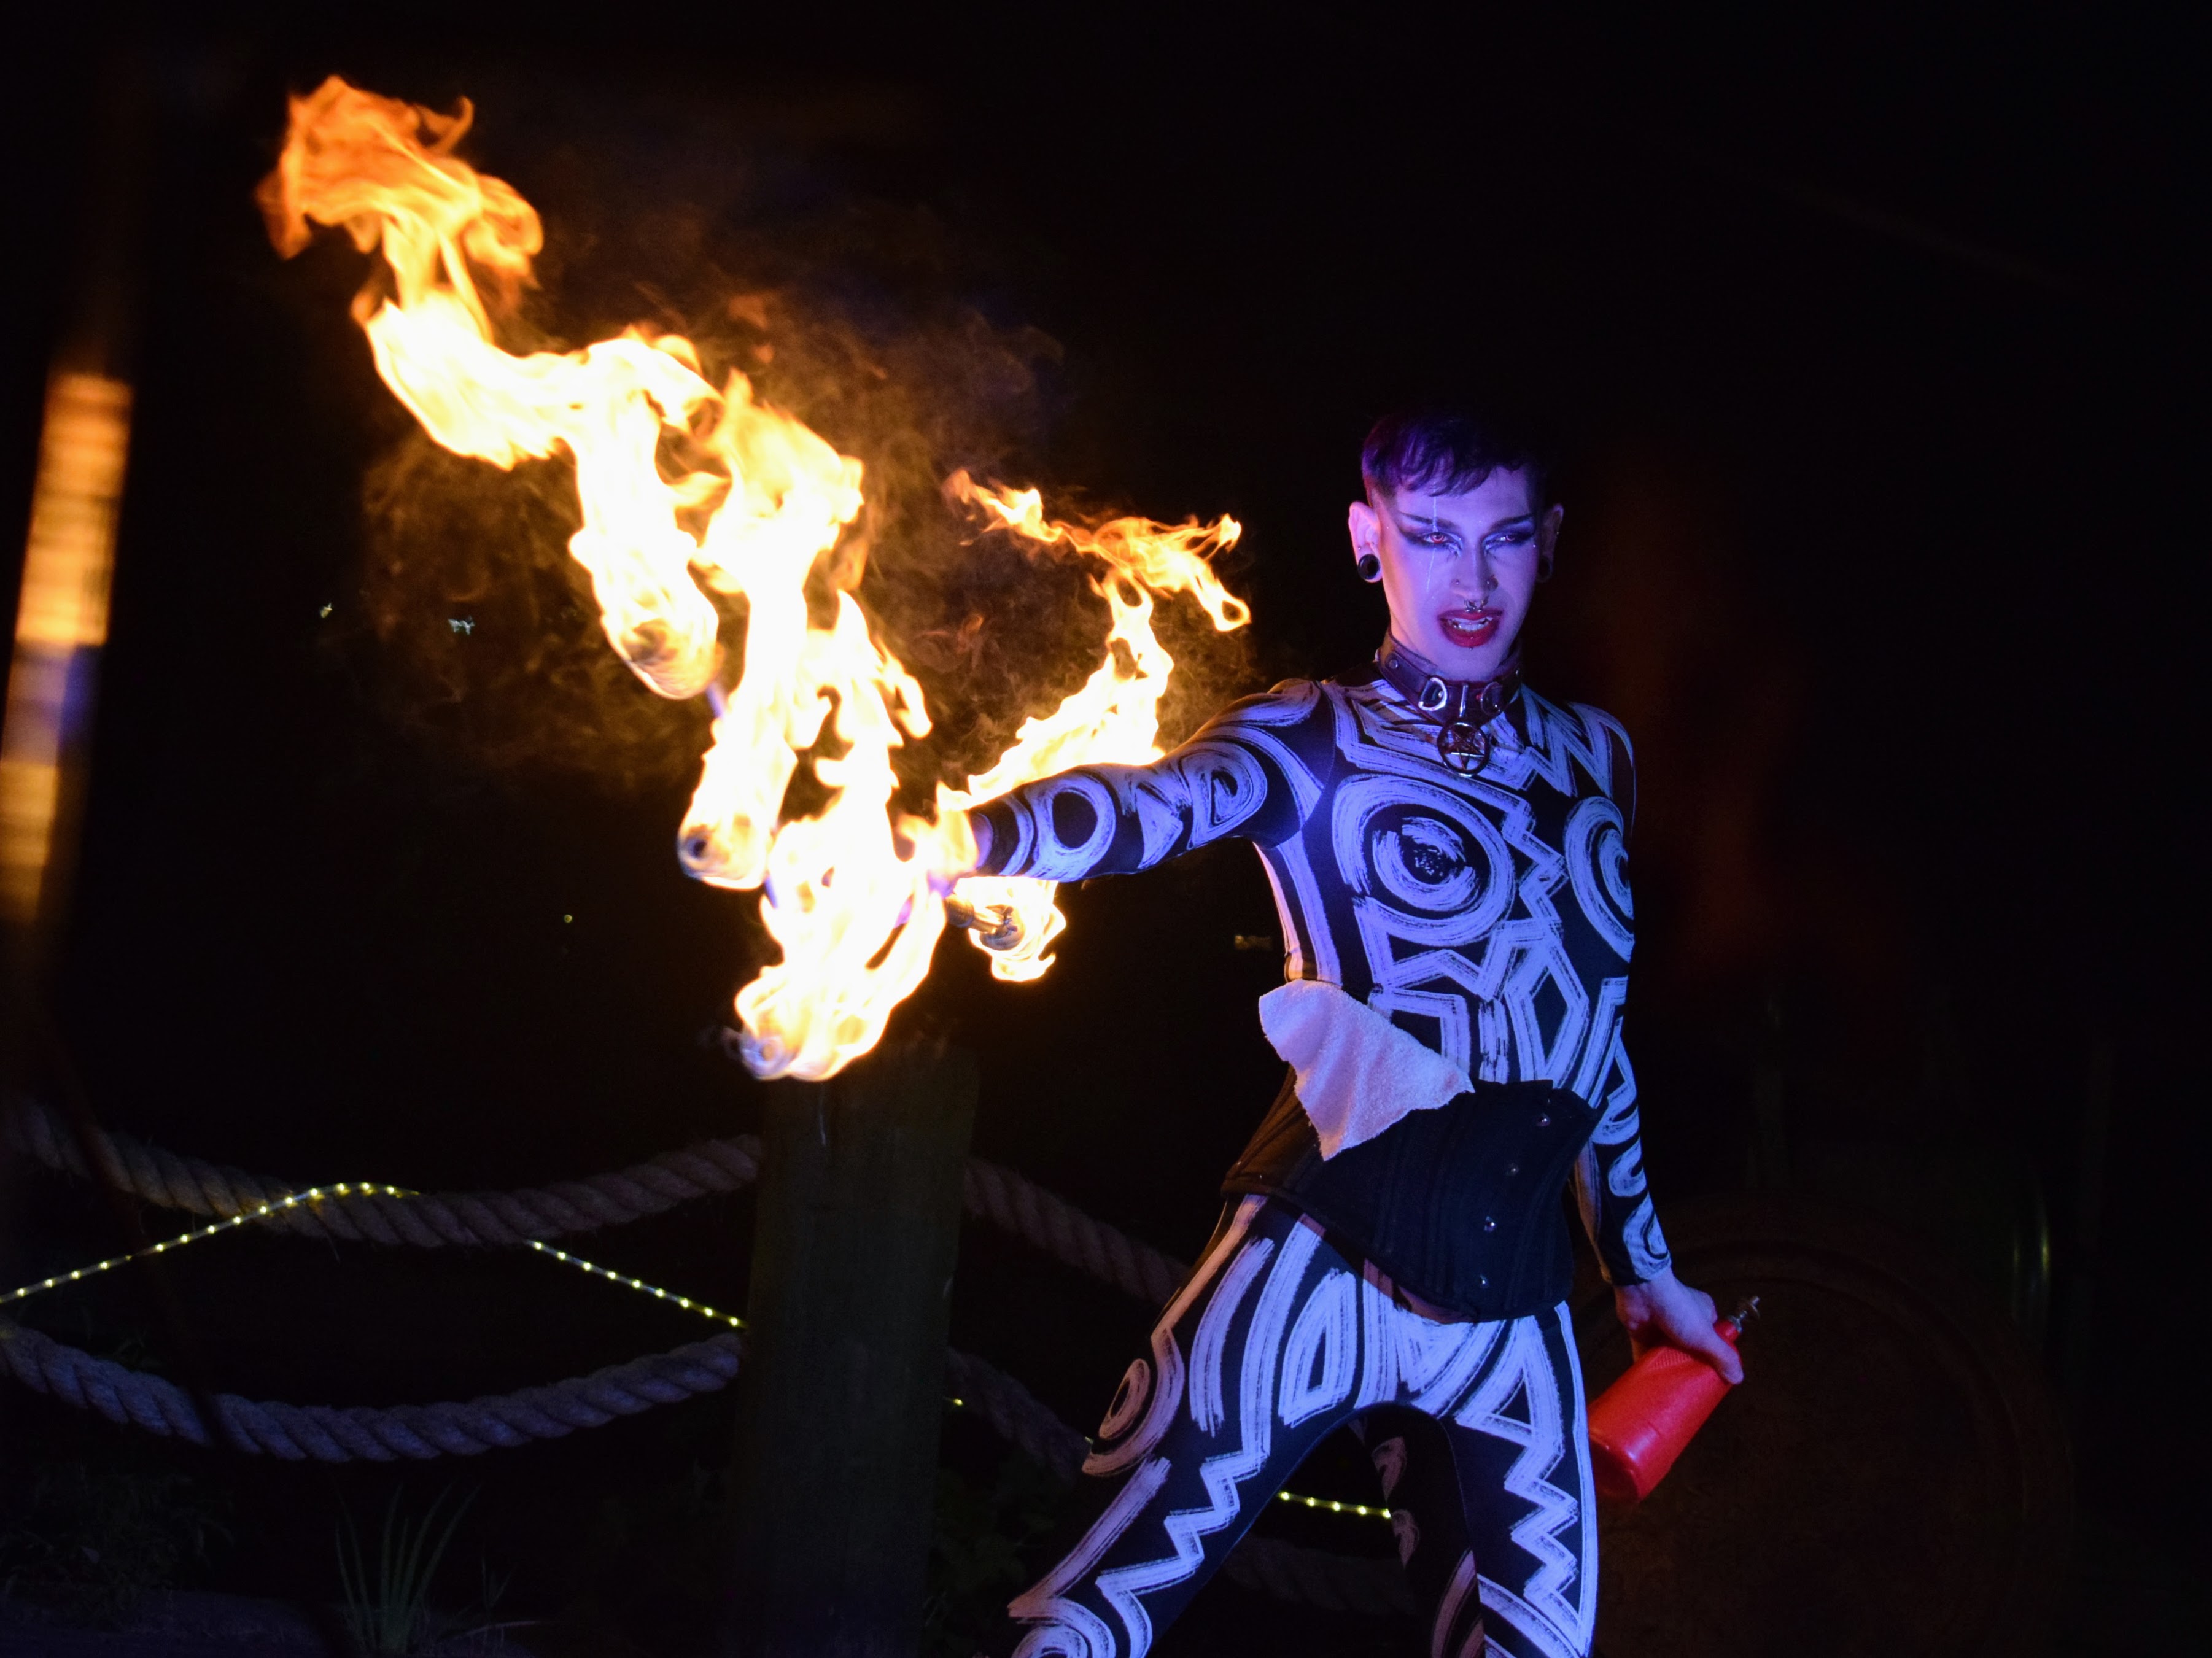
(852, 895)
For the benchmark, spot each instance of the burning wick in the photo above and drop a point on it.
(994, 927)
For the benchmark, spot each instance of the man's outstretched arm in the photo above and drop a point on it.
(1238, 775)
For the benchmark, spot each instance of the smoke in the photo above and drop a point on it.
(879, 326)
(488, 644)
(996, 628)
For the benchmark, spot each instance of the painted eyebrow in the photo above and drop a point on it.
(1421, 526)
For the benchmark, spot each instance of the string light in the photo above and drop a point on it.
(1363, 1509)
(259, 1212)
(638, 1283)
(1366, 1511)
(347, 1189)
(370, 1188)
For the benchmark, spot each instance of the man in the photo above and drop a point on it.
(1447, 852)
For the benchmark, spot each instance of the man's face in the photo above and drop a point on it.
(1458, 569)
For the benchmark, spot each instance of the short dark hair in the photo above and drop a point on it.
(1449, 448)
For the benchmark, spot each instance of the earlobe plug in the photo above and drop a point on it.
(1370, 567)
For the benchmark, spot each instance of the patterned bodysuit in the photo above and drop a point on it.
(1411, 1285)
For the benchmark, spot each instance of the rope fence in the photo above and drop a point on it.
(426, 1220)
(393, 1216)
(325, 1433)
(431, 1220)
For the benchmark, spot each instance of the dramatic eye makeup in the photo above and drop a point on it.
(1510, 538)
(1429, 532)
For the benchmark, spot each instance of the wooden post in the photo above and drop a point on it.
(843, 1387)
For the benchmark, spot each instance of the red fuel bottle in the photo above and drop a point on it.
(1640, 1425)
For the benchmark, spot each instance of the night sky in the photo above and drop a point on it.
(1873, 355)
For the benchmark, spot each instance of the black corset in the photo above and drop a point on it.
(1461, 1205)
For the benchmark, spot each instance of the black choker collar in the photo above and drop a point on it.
(1460, 708)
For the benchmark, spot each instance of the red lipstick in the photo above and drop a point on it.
(1470, 629)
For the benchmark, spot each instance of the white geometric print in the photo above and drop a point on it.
(1066, 1627)
(1452, 890)
(1128, 1398)
(1221, 1475)
(1312, 1340)
(1321, 1356)
(1597, 854)
(1557, 1607)
(1424, 1362)
(1206, 1346)
(1167, 1357)
(1489, 916)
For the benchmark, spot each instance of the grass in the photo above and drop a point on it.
(387, 1613)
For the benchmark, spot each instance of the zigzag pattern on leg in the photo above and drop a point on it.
(1540, 1609)
(1221, 1475)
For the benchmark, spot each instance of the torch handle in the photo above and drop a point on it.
(995, 926)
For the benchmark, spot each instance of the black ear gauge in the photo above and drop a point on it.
(1370, 567)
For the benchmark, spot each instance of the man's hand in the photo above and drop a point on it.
(954, 847)
(971, 837)
(1665, 1311)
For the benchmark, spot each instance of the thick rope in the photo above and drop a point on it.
(431, 1220)
(428, 1221)
(324, 1433)
(1016, 1413)
(1062, 1231)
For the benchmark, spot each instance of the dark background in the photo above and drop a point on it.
(1874, 353)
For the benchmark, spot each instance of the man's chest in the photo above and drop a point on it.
(1442, 860)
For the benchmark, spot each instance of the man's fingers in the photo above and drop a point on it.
(1666, 1313)
(1722, 1356)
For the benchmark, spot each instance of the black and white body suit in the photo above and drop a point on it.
(1413, 1280)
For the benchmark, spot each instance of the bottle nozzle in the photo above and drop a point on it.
(1746, 1310)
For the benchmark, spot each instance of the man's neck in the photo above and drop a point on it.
(1509, 662)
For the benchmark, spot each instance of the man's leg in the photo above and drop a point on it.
(1203, 1431)
(1491, 1502)
(1412, 1454)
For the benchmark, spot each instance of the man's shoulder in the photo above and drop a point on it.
(1583, 732)
(1292, 724)
(1287, 703)
(1593, 719)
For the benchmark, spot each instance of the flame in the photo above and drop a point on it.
(382, 168)
(1114, 719)
(853, 894)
